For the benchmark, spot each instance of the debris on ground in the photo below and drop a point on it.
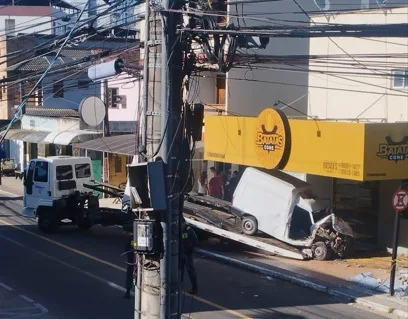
(369, 281)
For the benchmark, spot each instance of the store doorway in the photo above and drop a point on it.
(358, 203)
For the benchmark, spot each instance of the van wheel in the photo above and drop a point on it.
(320, 251)
(47, 224)
(249, 225)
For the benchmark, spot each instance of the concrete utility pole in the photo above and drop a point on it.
(106, 132)
(160, 283)
(150, 272)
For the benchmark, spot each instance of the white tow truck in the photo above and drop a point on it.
(275, 212)
(60, 188)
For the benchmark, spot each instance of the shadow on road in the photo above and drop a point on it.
(5, 198)
(222, 288)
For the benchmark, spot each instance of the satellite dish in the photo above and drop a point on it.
(323, 5)
(92, 110)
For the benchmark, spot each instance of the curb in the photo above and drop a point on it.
(303, 282)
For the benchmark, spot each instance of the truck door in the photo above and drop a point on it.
(36, 184)
(28, 179)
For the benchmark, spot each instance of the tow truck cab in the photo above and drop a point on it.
(50, 182)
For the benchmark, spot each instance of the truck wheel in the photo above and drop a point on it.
(249, 225)
(320, 251)
(47, 224)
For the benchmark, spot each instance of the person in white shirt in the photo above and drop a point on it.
(203, 184)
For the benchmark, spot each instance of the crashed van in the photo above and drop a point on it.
(284, 207)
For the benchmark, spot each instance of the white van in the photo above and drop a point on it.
(285, 208)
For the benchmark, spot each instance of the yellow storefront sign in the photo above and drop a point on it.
(386, 151)
(357, 151)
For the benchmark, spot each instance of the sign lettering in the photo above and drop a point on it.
(345, 169)
(393, 151)
(272, 139)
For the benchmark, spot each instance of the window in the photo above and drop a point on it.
(400, 79)
(300, 224)
(41, 172)
(112, 95)
(30, 172)
(64, 172)
(10, 26)
(365, 4)
(39, 95)
(83, 84)
(118, 164)
(221, 89)
(82, 170)
(58, 89)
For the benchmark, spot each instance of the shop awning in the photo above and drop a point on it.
(119, 144)
(30, 136)
(70, 137)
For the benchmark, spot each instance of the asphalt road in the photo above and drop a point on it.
(73, 274)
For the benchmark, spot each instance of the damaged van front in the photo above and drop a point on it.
(330, 235)
(323, 235)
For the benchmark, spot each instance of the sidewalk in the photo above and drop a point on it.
(332, 277)
(12, 185)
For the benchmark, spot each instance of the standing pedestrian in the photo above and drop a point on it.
(216, 184)
(189, 242)
(232, 185)
(203, 184)
(130, 254)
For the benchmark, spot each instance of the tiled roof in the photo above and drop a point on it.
(37, 111)
(42, 62)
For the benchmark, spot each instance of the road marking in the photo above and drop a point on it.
(64, 263)
(205, 301)
(26, 298)
(22, 312)
(232, 312)
(3, 192)
(41, 307)
(6, 287)
(65, 246)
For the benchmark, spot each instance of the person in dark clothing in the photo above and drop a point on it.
(130, 254)
(232, 185)
(189, 242)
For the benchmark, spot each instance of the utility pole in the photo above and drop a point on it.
(150, 288)
(172, 130)
(160, 283)
(106, 132)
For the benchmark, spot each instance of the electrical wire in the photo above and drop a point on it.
(68, 68)
(43, 76)
(312, 86)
